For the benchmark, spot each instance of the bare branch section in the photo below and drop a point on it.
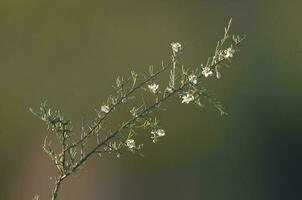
(187, 84)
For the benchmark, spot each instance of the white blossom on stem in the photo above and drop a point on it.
(105, 108)
(229, 52)
(153, 88)
(176, 46)
(206, 71)
(193, 79)
(169, 89)
(187, 98)
(130, 143)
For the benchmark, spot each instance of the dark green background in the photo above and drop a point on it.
(70, 52)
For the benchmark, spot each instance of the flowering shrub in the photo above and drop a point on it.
(187, 84)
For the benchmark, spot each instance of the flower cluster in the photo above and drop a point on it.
(130, 143)
(176, 47)
(157, 133)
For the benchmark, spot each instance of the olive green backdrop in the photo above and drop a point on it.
(70, 52)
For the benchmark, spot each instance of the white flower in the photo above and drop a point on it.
(130, 143)
(153, 88)
(169, 89)
(157, 133)
(206, 71)
(187, 98)
(193, 79)
(229, 53)
(176, 46)
(105, 109)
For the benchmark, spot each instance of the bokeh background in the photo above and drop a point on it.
(70, 52)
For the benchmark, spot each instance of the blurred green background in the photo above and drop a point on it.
(70, 52)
